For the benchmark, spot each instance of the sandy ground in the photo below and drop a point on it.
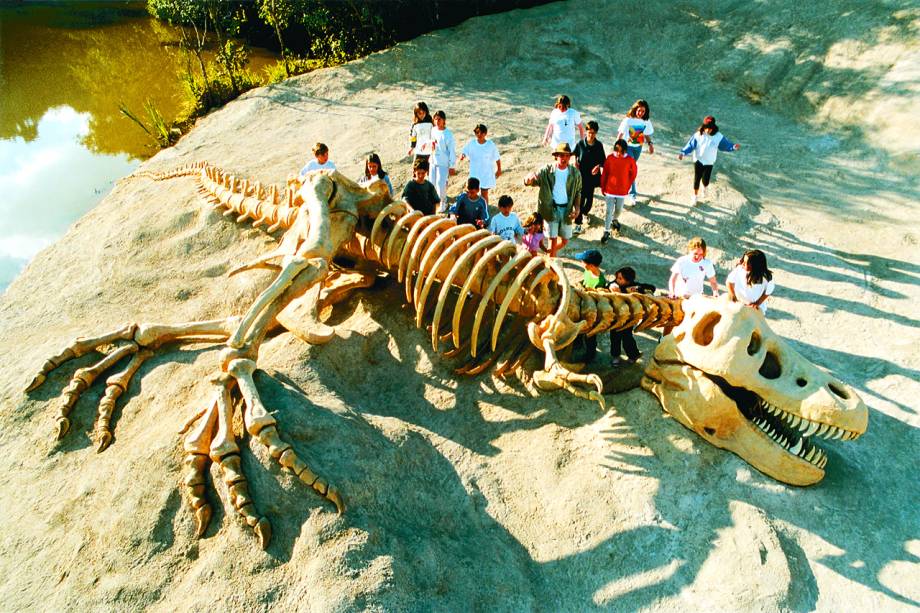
(472, 494)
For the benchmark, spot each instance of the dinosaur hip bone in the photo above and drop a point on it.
(486, 281)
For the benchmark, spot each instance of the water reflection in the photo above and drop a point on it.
(64, 69)
(47, 183)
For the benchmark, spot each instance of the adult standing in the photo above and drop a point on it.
(563, 123)
(559, 198)
(589, 153)
(637, 129)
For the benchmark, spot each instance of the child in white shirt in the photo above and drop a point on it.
(443, 156)
(690, 271)
(751, 282)
(563, 121)
(320, 161)
(485, 163)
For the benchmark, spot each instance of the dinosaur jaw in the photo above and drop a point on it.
(776, 440)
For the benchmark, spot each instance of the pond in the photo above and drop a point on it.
(64, 70)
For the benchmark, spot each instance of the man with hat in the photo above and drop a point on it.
(559, 197)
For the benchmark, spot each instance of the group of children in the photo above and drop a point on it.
(750, 282)
(434, 149)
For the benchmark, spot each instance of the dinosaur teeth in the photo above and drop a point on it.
(840, 432)
(796, 448)
(812, 428)
(796, 420)
(811, 453)
(822, 431)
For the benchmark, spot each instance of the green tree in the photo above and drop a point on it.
(192, 18)
(279, 14)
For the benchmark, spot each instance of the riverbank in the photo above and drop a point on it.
(470, 493)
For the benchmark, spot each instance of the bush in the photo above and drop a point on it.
(297, 65)
(201, 98)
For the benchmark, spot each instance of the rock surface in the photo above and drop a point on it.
(472, 494)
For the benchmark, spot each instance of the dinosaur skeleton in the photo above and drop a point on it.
(722, 373)
(484, 300)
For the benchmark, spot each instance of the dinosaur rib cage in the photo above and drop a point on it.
(463, 281)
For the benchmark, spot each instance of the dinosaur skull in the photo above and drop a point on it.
(725, 375)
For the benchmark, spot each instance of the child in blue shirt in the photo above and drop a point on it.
(470, 207)
(506, 224)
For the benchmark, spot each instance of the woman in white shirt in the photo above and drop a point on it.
(751, 282)
(563, 121)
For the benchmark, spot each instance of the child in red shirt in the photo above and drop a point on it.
(617, 176)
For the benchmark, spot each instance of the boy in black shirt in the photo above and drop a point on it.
(419, 192)
(589, 153)
(625, 281)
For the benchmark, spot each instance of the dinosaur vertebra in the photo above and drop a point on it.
(464, 281)
(725, 375)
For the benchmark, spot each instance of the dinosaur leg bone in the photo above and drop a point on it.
(555, 332)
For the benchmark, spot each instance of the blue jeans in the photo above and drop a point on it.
(634, 153)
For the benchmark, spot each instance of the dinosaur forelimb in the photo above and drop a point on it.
(306, 271)
(115, 387)
(135, 339)
(81, 380)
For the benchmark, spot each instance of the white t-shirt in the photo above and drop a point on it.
(444, 147)
(635, 130)
(691, 275)
(507, 227)
(422, 134)
(482, 161)
(559, 194)
(749, 294)
(314, 165)
(564, 127)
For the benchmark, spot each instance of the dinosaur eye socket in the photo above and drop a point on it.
(703, 331)
(754, 344)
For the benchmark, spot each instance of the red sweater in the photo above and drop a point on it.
(618, 175)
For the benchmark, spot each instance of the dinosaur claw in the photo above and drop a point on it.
(202, 519)
(36, 382)
(263, 530)
(105, 439)
(336, 498)
(63, 427)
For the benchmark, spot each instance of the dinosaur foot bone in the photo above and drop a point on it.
(212, 439)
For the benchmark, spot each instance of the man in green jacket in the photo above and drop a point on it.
(559, 198)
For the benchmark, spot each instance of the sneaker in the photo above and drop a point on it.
(605, 238)
(693, 200)
(703, 192)
(616, 227)
(577, 229)
(636, 359)
(631, 201)
(615, 361)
